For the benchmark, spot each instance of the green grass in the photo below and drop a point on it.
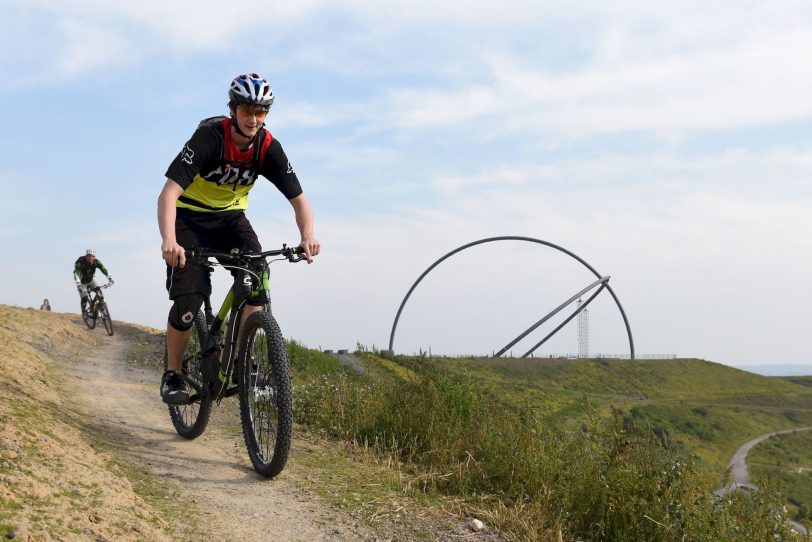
(307, 363)
(787, 459)
(625, 379)
(712, 432)
(663, 395)
(369, 487)
(605, 450)
(484, 433)
(801, 380)
(9, 509)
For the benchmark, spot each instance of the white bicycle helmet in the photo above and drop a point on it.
(90, 252)
(250, 88)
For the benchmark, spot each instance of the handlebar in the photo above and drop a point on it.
(293, 254)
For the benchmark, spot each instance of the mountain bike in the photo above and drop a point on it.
(220, 361)
(97, 308)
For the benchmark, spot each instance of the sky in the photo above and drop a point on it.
(669, 146)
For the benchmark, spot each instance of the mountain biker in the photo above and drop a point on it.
(203, 204)
(83, 272)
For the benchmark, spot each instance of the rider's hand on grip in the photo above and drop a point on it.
(310, 247)
(173, 254)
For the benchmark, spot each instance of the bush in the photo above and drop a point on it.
(610, 481)
(700, 411)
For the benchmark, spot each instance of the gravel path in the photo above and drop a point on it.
(212, 472)
(741, 474)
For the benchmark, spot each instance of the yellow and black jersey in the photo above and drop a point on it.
(216, 175)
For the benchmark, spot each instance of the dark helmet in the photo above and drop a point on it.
(250, 88)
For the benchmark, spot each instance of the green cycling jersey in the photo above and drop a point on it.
(83, 270)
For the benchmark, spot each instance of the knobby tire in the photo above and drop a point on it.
(191, 419)
(90, 321)
(265, 394)
(105, 316)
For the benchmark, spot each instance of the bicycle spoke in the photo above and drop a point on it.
(265, 406)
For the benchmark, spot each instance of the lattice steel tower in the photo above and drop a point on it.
(583, 332)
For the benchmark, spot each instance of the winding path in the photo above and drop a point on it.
(212, 472)
(741, 474)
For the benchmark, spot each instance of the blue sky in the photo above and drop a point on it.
(669, 146)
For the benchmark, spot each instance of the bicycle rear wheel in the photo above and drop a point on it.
(190, 419)
(265, 394)
(104, 312)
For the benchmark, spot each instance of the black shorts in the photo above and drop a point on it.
(216, 231)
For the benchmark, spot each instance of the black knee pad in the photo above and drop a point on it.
(183, 311)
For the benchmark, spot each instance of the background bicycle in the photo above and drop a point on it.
(221, 361)
(97, 308)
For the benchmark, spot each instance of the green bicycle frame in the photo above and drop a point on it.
(214, 329)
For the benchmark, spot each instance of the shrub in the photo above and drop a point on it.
(609, 481)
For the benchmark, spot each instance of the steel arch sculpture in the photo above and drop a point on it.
(602, 281)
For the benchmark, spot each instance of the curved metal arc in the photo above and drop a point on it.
(602, 280)
(510, 238)
(625, 320)
(568, 319)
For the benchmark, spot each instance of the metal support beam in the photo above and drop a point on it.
(509, 238)
(528, 331)
(565, 322)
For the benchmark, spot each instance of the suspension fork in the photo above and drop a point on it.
(264, 287)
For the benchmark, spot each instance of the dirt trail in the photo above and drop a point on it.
(738, 465)
(741, 474)
(212, 471)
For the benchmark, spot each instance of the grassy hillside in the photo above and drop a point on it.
(802, 380)
(683, 379)
(491, 433)
(788, 459)
(706, 408)
(461, 435)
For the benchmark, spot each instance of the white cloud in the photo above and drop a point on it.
(753, 82)
(429, 108)
(302, 115)
(661, 70)
(87, 47)
(502, 178)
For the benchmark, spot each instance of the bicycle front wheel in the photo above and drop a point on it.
(191, 419)
(90, 320)
(104, 312)
(265, 394)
